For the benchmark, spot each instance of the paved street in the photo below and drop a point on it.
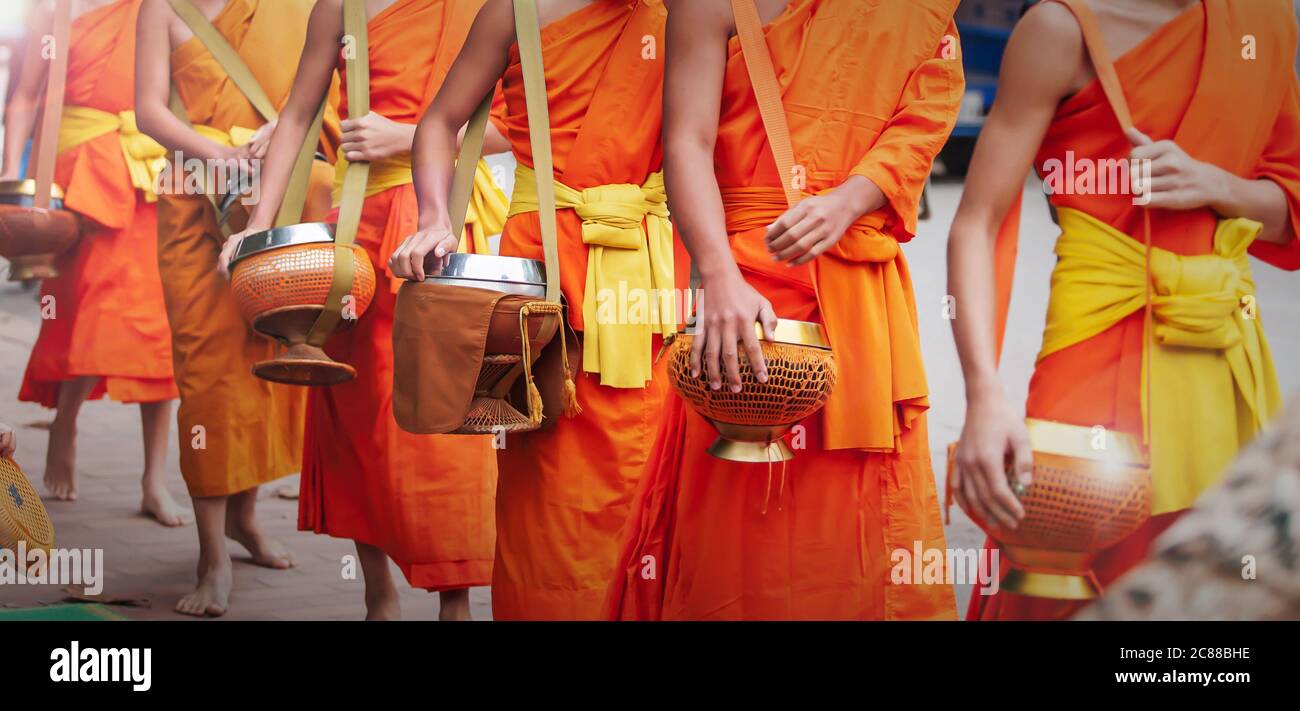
(145, 560)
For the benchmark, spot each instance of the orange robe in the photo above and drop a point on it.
(108, 318)
(565, 491)
(236, 430)
(1179, 89)
(700, 543)
(427, 501)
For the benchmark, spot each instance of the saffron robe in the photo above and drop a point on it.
(565, 492)
(816, 538)
(1177, 87)
(236, 430)
(103, 317)
(426, 501)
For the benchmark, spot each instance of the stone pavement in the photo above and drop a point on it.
(145, 560)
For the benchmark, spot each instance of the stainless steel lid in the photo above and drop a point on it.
(23, 193)
(509, 274)
(795, 333)
(287, 236)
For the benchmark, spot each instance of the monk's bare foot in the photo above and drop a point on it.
(385, 607)
(160, 506)
(266, 552)
(61, 480)
(453, 606)
(211, 597)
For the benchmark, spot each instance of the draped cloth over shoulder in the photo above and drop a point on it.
(1091, 371)
(110, 322)
(566, 490)
(236, 431)
(863, 487)
(426, 501)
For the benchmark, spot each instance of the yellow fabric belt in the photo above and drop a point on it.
(1212, 381)
(629, 294)
(487, 205)
(145, 158)
(235, 137)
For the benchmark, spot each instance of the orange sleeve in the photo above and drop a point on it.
(498, 115)
(1281, 164)
(899, 163)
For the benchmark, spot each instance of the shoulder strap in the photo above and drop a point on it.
(528, 34)
(354, 180)
(226, 56)
(48, 143)
(1101, 61)
(758, 60)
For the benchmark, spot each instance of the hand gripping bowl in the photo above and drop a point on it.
(503, 359)
(23, 517)
(30, 237)
(751, 424)
(1091, 488)
(282, 279)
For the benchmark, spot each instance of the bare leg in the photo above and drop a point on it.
(453, 605)
(242, 527)
(61, 456)
(382, 602)
(211, 597)
(157, 501)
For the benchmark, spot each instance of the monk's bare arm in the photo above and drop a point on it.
(310, 85)
(153, 88)
(22, 106)
(696, 61)
(1029, 91)
(476, 71)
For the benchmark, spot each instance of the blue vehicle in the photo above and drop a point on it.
(985, 27)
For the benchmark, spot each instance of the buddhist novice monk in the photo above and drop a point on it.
(236, 431)
(869, 93)
(1217, 180)
(426, 502)
(104, 327)
(564, 491)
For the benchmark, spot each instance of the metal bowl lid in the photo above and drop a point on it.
(27, 187)
(489, 268)
(287, 236)
(794, 333)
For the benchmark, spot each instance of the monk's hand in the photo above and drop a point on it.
(728, 309)
(256, 148)
(373, 137)
(229, 248)
(408, 260)
(994, 449)
(8, 441)
(819, 222)
(1176, 181)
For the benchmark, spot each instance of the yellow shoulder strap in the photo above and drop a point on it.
(354, 180)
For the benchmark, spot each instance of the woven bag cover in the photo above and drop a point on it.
(22, 515)
(799, 380)
(298, 275)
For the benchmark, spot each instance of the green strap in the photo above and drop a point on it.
(354, 180)
(528, 33)
(228, 58)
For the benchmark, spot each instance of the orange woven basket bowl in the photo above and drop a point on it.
(281, 279)
(31, 238)
(1090, 490)
(752, 423)
(23, 517)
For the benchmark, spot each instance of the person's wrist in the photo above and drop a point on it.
(1222, 192)
(983, 388)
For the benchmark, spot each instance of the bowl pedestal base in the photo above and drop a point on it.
(32, 266)
(1055, 575)
(751, 444)
(490, 413)
(300, 363)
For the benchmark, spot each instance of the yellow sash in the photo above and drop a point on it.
(237, 135)
(1212, 381)
(145, 158)
(629, 290)
(487, 205)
